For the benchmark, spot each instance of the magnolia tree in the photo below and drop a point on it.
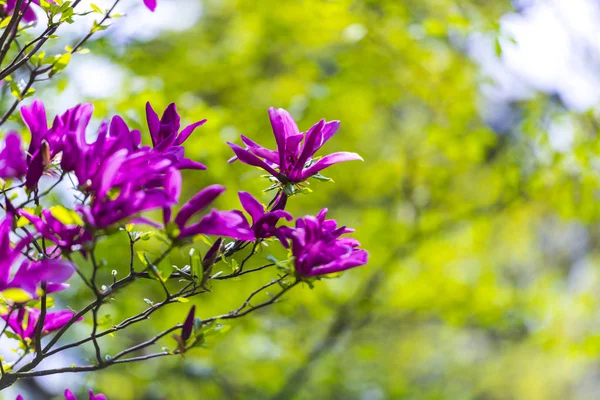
(116, 179)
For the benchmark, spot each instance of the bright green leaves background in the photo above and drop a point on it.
(482, 281)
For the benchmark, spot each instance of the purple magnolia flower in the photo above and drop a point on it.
(138, 177)
(41, 150)
(23, 322)
(28, 13)
(131, 200)
(166, 137)
(115, 145)
(115, 159)
(292, 162)
(13, 162)
(30, 274)
(70, 396)
(65, 236)
(221, 223)
(318, 248)
(264, 223)
(46, 143)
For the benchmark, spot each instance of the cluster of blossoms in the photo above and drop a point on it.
(119, 178)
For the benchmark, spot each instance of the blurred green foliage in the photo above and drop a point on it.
(482, 281)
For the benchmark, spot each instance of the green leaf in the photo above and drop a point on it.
(322, 178)
(38, 303)
(96, 8)
(4, 23)
(434, 27)
(196, 264)
(15, 295)
(98, 27)
(161, 271)
(60, 63)
(66, 215)
(105, 320)
(498, 47)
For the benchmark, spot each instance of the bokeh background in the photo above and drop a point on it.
(478, 198)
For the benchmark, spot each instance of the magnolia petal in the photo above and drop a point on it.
(56, 320)
(69, 395)
(310, 141)
(283, 126)
(197, 203)
(251, 205)
(222, 223)
(282, 214)
(327, 133)
(34, 118)
(187, 131)
(247, 157)
(153, 121)
(151, 4)
(355, 259)
(269, 155)
(35, 171)
(173, 182)
(186, 163)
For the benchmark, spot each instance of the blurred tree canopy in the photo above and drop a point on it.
(482, 281)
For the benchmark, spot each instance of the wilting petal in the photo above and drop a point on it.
(197, 203)
(328, 161)
(248, 158)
